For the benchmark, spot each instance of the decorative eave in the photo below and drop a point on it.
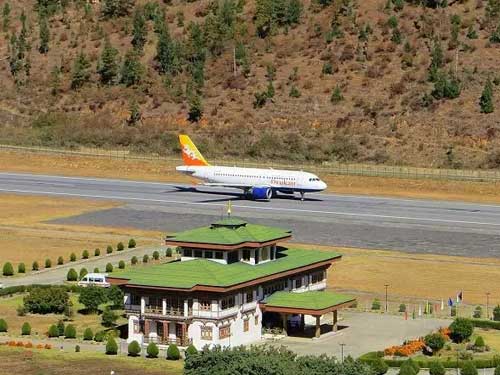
(212, 246)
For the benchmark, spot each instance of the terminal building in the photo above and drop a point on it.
(232, 279)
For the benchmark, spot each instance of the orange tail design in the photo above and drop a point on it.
(190, 154)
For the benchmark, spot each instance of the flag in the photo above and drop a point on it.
(459, 297)
(442, 304)
(419, 310)
(229, 208)
(450, 302)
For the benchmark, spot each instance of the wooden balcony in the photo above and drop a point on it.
(167, 341)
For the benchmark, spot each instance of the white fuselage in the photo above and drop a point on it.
(247, 178)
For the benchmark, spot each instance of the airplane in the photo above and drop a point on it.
(256, 183)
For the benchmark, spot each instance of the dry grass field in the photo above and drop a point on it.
(25, 237)
(159, 170)
(54, 362)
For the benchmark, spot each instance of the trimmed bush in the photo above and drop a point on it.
(119, 246)
(489, 324)
(109, 267)
(70, 332)
(134, 349)
(168, 253)
(402, 308)
(131, 243)
(468, 368)
(8, 270)
(111, 347)
(376, 304)
(156, 255)
(478, 312)
(96, 270)
(436, 368)
(72, 257)
(88, 335)
(60, 327)
(53, 331)
(3, 326)
(77, 348)
(99, 336)
(435, 341)
(145, 258)
(496, 313)
(121, 264)
(407, 369)
(133, 260)
(48, 263)
(35, 266)
(72, 275)
(190, 350)
(152, 350)
(26, 329)
(479, 343)
(379, 366)
(173, 353)
(109, 249)
(60, 261)
(21, 268)
(108, 317)
(83, 272)
(461, 329)
(85, 254)
(97, 252)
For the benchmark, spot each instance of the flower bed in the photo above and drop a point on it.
(407, 349)
(28, 345)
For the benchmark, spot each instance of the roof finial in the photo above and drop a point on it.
(229, 208)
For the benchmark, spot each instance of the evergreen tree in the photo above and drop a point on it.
(55, 80)
(132, 70)
(139, 31)
(168, 54)
(195, 54)
(336, 95)
(471, 32)
(437, 61)
(116, 8)
(195, 108)
(107, 67)
(6, 17)
(135, 114)
(44, 33)
(445, 86)
(486, 100)
(81, 71)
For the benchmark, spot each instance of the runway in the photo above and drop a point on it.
(422, 226)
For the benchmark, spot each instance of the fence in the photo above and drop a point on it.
(335, 168)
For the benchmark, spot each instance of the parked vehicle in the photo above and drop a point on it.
(95, 279)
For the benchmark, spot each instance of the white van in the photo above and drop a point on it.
(95, 279)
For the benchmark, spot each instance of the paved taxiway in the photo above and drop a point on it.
(423, 226)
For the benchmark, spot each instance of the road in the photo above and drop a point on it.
(422, 226)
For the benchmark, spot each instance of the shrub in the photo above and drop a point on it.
(478, 312)
(168, 253)
(96, 270)
(109, 267)
(108, 317)
(156, 255)
(70, 331)
(379, 366)
(131, 243)
(48, 263)
(111, 347)
(60, 261)
(407, 369)
(152, 350)
(145, 258)
(20, 310)
(26, 329)
(402, 308)
(53, 331)
(21, 268)
(88, 335)
(435, 341)
(99, 336)
(479, 343)
(496, 313)
(72, 257)
(91, 297)
(497, 370)
(8, 270)
(35, 266)
(72, 275)
(461, 329)
(190, 350)
(327, 68)
(77, 348)
(85, 254)
(468, 368)
(336, 96)
(294, 92)
(83, 272)
(3, 326)
(173, 353)
(46, 300)
(60, 327)
(109, 249)
(97, 252)
(119, 246)
(376, 304)
(121, 264)
(436, 368)
(133, 260)
(134, 349)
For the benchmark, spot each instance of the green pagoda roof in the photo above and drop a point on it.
(231, 231)
(313, 300)
(203, 272)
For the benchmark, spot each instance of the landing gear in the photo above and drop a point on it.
(302, 194)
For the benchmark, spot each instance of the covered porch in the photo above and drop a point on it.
(291, 308)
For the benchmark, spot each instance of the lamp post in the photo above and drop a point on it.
(342, 351)
(487, 305)
(386, 304)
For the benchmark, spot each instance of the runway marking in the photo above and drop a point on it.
(338, 213)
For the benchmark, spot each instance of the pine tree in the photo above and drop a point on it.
(437, 61)
(139, 31)
(195, 108)
(168, 54)
(486, 100)
(132, 70)
(116, 8)
(81, 71)
(135, 114)
(336, 95)
(107, 67)
(55, 79)
(44, 33)
(6, 17)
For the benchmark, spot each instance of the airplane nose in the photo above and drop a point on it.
(322, 185)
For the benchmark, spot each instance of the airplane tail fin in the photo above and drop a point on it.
(190, 154)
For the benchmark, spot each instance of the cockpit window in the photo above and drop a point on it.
(314, 179)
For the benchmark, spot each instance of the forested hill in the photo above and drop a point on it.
(382, 81)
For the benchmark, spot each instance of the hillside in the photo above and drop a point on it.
(382, 81)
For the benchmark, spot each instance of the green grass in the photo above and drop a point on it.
(308, 300)
(206, 272)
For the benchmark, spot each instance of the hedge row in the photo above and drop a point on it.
(480, 363)
(26, 288)
(481, 323)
